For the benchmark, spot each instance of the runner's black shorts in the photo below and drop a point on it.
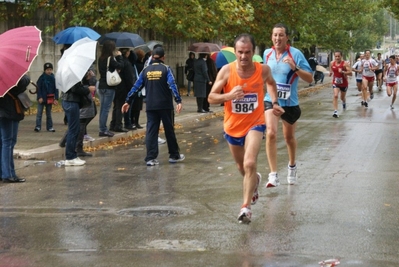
(378, 71)
(342, 89)
(291, 114)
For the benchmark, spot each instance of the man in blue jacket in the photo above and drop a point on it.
(161, 87)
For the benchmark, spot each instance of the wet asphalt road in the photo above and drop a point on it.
(115, 211)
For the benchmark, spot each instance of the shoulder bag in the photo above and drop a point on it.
(113, 78)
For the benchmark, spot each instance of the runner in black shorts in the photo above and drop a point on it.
(291, 114)
(379, 71)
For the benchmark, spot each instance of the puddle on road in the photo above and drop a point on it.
(155, 211)
(176, 245)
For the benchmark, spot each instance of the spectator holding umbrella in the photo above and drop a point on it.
(106, 92)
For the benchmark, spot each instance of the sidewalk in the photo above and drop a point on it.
(43, 145)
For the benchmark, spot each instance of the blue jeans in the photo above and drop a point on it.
(106, 98)
(8, 139)
(72, 112)
(49, 120)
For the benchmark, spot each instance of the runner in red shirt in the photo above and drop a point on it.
(340, 71)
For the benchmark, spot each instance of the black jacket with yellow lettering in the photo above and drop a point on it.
(160, 86)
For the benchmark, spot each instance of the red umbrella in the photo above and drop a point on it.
(18, 49)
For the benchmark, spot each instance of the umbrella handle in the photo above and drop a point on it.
(27, 57)
(35, 87)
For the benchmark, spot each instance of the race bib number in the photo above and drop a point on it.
(391, 75)
(246, 105)
(339, 80)
(283, 91)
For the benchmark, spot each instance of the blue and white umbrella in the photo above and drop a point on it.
(73, 34)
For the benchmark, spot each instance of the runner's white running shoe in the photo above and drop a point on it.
(292, 176)
(245, 215)
(255, 196)
(273, 180)
(335, 114)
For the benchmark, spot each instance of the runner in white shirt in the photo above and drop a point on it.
(357, 70)
(368, 66)
(391, 78)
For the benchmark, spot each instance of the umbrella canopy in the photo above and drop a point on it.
(123, 39)
(203, 48)
(18, 49)
(74, 63)
(257, 58)
(149, 46)
(73, 34)
(225, 56)
(153, 43)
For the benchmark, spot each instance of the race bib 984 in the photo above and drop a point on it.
(246, 105)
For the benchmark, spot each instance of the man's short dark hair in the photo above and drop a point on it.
(244, 37)
(281, 25)
(158, 52)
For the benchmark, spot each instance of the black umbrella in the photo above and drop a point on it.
(123, 39)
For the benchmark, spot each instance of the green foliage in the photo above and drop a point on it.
(326, 24)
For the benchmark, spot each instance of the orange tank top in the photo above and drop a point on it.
(242, 115)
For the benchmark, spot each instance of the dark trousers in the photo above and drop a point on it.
(205, 105)
(116, 121)
(200, 103)
(154, 118)
(82, 132)
(135, 116)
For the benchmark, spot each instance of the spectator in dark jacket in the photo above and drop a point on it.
(11, 113)
(189, 71)
(212, 73)
(128, 76)
(312, 63)
(201, 79)
(70, 104)
(47, 95)
(106, 92)
(160, 87)
(87, 114)
(137, 105)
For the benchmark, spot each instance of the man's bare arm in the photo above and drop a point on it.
(215, 96)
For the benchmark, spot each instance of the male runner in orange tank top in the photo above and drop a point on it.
(243, 83)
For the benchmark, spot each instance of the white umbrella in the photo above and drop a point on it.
(74, 63)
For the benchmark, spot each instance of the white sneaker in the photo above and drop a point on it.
(174, 160)
(255, 196)
(273, 180)
(152, 162)
(245, 215)
(335, 114)
(161, 141)
(88, 138)
(75, 162)
(391, 106)
(292, 176)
